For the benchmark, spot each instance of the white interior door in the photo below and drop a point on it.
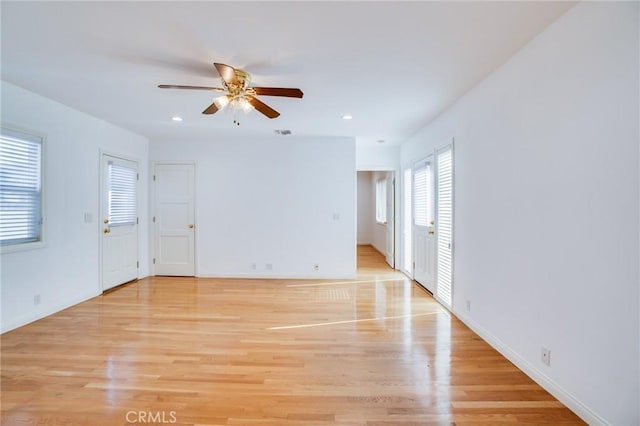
(174, 219)
(119, 215)
(407, 223)
(424, 225)
(390, 252)
(444, 228)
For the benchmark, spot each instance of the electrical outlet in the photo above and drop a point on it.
(468, 305)
(545, 356)
(316, 267)
(36, 299)
(268, 266)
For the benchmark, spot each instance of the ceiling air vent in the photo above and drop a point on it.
(282, 132)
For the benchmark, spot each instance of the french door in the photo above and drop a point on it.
(432, 223)
(119, 215)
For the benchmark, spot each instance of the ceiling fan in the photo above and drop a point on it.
(240, 96)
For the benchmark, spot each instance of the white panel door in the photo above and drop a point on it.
(444, 229)
(119, 216)
(424, 225)
(407, 223)
(390, 253)
(174, 219)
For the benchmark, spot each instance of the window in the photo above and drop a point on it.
(20, 190)
(381, 201)
(423, 212)
(122, 207)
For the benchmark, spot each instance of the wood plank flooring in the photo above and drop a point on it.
(377, 350)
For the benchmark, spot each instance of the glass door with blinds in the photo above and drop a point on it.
(423, 224)
(444, 225)
(119, 220)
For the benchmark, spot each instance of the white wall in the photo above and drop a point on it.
(547, 235)
(366, 205)
(377, 157)
(272, 200)
(66, 270)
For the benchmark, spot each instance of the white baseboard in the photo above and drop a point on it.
(38, 314)
(260, 276)
(535, 374)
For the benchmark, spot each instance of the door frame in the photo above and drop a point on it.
(154, 207)
(411, 165)
(396, 203)
(101, 213)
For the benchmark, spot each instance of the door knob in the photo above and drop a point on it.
(191, 225)
(106, 230)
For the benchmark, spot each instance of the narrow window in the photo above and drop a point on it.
(381, 201)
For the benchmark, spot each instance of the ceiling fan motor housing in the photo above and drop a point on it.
(243, 79)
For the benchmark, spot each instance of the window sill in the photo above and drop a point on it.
(22, 247)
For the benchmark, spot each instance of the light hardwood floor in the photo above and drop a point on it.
(377, 350)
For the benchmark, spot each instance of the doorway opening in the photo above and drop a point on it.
(376, 212)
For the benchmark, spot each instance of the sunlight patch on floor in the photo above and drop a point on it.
(320, 324)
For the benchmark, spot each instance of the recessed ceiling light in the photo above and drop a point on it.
(176, 118)
(347, 117)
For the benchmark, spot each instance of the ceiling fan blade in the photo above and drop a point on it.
(262, 107)
(211, 109)
(227, 73)
(173, 86)
(278, 91)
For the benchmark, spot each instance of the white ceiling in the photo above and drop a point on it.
(393, 65)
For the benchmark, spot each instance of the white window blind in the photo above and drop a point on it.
(20, 188)
(423, 203)
(381, 201)
(445, 225)
(122, 195)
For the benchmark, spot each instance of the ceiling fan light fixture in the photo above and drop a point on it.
(245, 105)
(221, 101)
